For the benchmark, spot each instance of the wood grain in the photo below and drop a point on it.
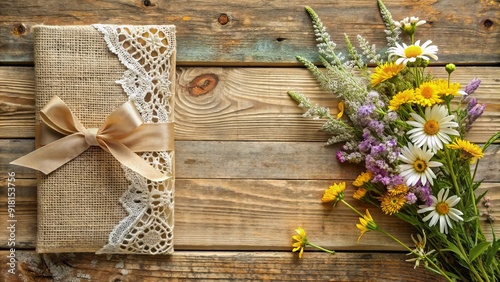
(258, 33)
(246, 104)
(250, 214)
(214, 266)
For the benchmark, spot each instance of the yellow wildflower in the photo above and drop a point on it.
(427, 94)
(391, 204)
(360, 193)
(398, 189)
(468, 150)
(385, 72)
(366, 224)
(301, 239)
(453, 89)
(334, 193)
(363, 178)
(401, 98)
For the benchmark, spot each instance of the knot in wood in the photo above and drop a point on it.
(488, 23)
(223, 19)
(203, 84)
(19, 29)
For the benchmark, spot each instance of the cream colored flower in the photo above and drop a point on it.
(417, 165)
(442, 209)
(412, 52)
(434, 129)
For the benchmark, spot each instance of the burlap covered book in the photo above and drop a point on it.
(111, 87)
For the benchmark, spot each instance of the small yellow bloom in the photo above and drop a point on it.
(334, 193)
(385, 72)
(453, 89)
(360, 193)
(401, 98)
(391, 204)
(301, 239)
(340, 106)
(363, 178)
(367, 224)
(468, 150)
(427, 94)
(398, 189)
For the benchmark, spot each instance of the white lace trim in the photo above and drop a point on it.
(145, 51)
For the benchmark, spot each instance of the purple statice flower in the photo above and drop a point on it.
(411, 198)
(364, 114)
(341, 156)
(474, 111)
(423, 192)
(472, 86)
(377, 127)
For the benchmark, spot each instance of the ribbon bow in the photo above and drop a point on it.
(122, 134)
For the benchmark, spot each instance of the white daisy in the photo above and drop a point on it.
(418, 165)
(412, 52)
(442, 210)
(409, 21)
(432, 130)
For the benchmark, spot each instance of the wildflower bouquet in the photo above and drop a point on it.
(407, 128)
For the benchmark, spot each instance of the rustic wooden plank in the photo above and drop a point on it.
(213, 266)
(249, 160)
(247, 32)
(231, 214)
(239, 103)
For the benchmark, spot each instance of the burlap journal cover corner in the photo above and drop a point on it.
(93, 203)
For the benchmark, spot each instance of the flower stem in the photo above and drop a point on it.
(430, 261)
(320, 248)
(352, 208)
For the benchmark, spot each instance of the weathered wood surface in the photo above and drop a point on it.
(249, 168)
(253, 32)
(212, 266)
(240, 103)
(240, 200)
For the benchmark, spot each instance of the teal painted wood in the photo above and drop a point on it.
(250, 32)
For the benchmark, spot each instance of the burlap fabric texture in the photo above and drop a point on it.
(78, 204)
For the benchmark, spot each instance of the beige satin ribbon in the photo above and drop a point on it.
(124, 132)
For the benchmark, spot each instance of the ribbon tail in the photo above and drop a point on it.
(131, 160)
(52, 156)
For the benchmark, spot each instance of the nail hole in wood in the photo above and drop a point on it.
(280, 39)
(488, 23)
(223, 19)
(147, 3)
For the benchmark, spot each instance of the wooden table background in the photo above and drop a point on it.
(249, 168)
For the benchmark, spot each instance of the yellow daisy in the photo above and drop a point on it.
(427, 94)
(363, 178)
(391, 204)
(453, 89)
(398, 189)
(366, 224)
(401, 98)
(360, 193)
(385, 72)
(301, 239)
(334, 193)
(468, 150)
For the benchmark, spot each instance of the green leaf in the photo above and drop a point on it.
(471, 218)
(495, 247)
(453, 248)
(478, 250)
